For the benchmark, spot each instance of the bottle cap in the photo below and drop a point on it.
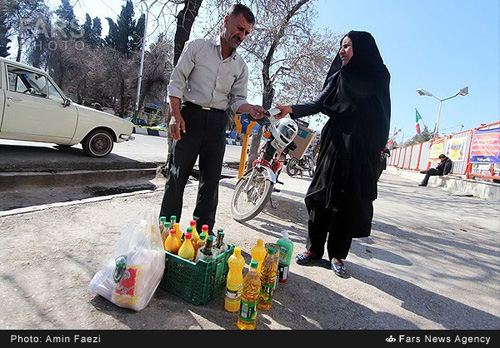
(271, 251)
(254, 264)
(202, 236)
(163, 219)
(189, 230)
(285, 234)
(167, 224)
(204, 228)
(192, 223)
(173, 218)
(188, 236)
(172, 231)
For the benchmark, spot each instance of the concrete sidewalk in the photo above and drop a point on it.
(432, 262)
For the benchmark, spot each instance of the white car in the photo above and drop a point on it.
(33, 108)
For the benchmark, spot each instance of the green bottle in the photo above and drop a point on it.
(285, 256)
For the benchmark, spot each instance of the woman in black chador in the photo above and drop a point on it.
(356, 98)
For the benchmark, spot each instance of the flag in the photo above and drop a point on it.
(417, 118)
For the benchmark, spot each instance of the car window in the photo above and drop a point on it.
(27, 82)
(54, 94)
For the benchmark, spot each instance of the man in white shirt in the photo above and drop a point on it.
(209, 80)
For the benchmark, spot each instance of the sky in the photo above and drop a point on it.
(438, 45)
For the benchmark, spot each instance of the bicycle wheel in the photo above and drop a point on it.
(249, 200)
(291, 167)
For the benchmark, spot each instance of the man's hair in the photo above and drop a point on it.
(236, 9)
(442, 156)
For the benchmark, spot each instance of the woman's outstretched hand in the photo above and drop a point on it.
(285, 110)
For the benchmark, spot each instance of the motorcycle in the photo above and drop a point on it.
(253, 190)
(305, 164)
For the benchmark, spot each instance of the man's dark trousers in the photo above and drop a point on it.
(432, 171)
(205, 137)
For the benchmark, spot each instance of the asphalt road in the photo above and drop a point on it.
(144, 152)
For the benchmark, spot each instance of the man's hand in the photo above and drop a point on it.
(255, 110)
(177, 124)
(176, 121)
(285, 110)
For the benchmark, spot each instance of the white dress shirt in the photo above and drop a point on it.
(202, 77)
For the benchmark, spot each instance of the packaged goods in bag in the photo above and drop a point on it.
(130, 278)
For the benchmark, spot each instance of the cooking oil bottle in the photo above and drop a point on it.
(199, 244)
(258, 254)
(186, 251)
(249, 299)
(166, 231)
(172, 243)
(234, 281)
(196, 235)
(268, 280)
(178, 231)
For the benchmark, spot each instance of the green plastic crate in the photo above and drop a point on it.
(196, 282)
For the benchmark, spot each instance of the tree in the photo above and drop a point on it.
(423, 137)
(67, 22)
(289, 55)
(185, 21)
(92, 30)
(125, 35)
(38, 52)
(4, 32)
(21, 17)
(157, 70)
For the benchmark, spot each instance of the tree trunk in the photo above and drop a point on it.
(122, 98)
(20, 41)
(185, 20)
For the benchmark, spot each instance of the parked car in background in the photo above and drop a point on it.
(33, 108)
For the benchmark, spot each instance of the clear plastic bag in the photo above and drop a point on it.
(130, 278)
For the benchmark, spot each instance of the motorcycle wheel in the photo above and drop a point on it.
(247, 205)
(291, 167)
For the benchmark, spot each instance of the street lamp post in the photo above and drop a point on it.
(463, 92)
(139, 80)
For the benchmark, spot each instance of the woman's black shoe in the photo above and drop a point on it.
(338, 268)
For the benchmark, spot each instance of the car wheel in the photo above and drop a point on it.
(97, 143)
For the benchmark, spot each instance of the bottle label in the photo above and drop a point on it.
(283, 253)
(233, 295)
(283, 273)
(248, 311)
(266, 293)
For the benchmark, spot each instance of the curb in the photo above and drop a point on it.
(455, 184)
(163, 134)
(17, 180)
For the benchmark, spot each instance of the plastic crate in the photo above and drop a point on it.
(196, 282)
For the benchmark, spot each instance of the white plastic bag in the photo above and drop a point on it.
(130, 278)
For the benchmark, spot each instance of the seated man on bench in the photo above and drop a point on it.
(443, 168)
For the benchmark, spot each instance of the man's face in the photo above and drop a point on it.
(236, 29)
